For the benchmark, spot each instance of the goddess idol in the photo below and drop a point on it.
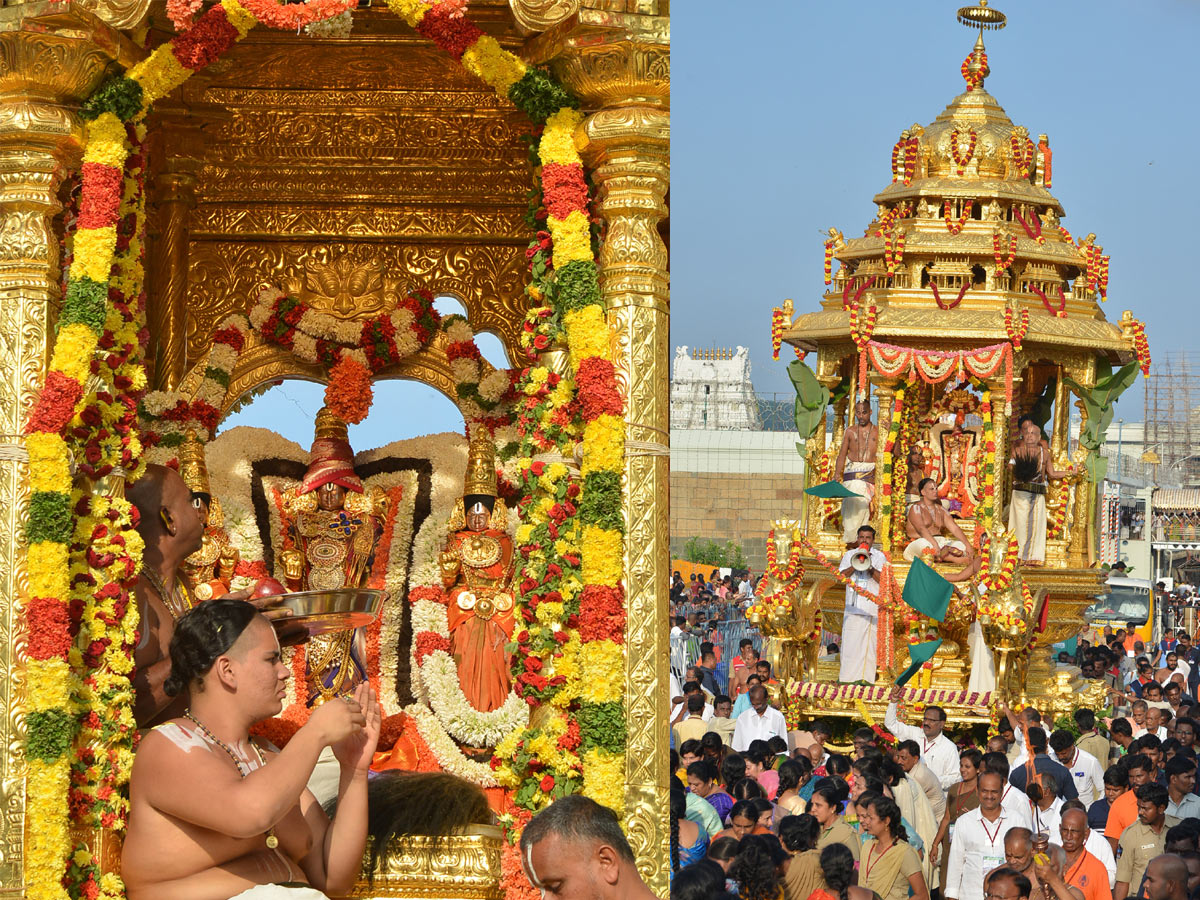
(332, 527)
(477, 572)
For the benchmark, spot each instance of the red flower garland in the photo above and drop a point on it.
(1001, 261)
(602, 614)
(893, 250)
(776, 331)
(1061, 310)
(962, 160)
(1033, 228)
(446, 26)
(349, 392)
(828, 263)
(846, 302)
(294, 16)
(596, 384)
(205, 41)
(953, 303)
(973, 79)
(1016, 329)
(956, 227)
(100, 205)
(427, 642)
(1141, 346)
(564, 189)
(1022, 154)
(898, 211)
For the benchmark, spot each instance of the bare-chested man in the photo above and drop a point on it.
(856, 461)
(916, 471)
(172, 528)
(215, 816)
(1033, 468)
(926, 521)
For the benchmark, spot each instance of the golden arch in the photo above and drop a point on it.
(260, 363)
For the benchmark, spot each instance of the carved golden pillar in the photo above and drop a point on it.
(48, 63)
(178, 135)
(885, 393)
(617, 60)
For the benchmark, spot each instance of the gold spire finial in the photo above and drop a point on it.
(481, 466)
(982, 17)
(192, 467)
(328, 425)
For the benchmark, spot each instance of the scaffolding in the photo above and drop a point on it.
(1172, 430)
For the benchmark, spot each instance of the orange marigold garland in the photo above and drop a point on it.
(961, 160)
(1016, 325)
(1002, 261)
(893, 250)
(1141, 346)
(349, 393)
(776, 331)
(1022, 154)
(973, 79)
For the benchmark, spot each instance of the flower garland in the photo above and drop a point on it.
(830, 506)
(956, 227)
(889, 218)
(167, 416)
(862, 326)
(540, 331)
(1141, 346)
(974, 79)
(1002, 580)
(988, 511)
(1022, 153)
(909, 147)
(888, 488)
(893, 250)
(935, 366)
(937, 297)
(1033, 227)
(1002, 261)
(1059, 311)
(777, 325)
(1016, 325)
(1057, 521)
(861, 289)
(794, 567)
(352, 350)
(961, 160)
(1097, 267)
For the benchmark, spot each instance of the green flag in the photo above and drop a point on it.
(919, 654)
(830, 490)
(926, 591)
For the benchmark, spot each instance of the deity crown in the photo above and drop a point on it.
(192, 467)
(481, 467)
(328, 425)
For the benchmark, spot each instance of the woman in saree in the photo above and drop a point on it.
(889, 865)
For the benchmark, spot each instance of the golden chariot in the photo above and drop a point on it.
(346, 159)
(963, 306)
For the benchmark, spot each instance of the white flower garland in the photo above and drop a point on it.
(448, 755)
(339, 26)
(439, 674)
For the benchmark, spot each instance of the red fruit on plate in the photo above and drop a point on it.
(267, 587)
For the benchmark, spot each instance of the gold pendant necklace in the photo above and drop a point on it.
(272, 841)
(176, 601)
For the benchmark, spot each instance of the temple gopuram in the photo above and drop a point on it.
(935, 386)
(202, 198)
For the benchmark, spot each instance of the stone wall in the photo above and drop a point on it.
(731, 506)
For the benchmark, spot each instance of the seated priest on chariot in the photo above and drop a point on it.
(927, 520)
(215, 814)
(1032, 469)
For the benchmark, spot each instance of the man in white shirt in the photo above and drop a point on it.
(937, 751)
(978, 843)
(1013, 800)
(759, 723)
(1085, 769)
(859, 625)
(680, 709)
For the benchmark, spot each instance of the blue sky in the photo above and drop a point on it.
(784, 115)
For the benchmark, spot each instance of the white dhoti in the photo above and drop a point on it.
(1027, 522)
(916, 547)
(856, 511)
(326, 777)
(983, 667)
(859, 635)
(280, 892)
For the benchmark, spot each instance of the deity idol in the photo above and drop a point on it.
(477, 572)
(211, 567)
(333, 526)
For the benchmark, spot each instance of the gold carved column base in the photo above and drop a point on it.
(462, 866)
